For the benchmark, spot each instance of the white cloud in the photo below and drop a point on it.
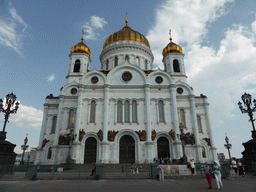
(51, 77)
(10, 33)
(93, 28)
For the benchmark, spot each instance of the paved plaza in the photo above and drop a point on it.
(246, 184)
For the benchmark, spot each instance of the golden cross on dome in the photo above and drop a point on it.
(180, 120)
(82, 35)
(126, 21)
(170, 33)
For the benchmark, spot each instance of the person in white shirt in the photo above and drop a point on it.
(234, 165)
(192, 166)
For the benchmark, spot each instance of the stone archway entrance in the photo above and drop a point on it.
(126, 149)
(90, 150)
(163, 149)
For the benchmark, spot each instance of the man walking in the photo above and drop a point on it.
(208, 174)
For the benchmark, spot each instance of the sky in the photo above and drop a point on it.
(217, 37)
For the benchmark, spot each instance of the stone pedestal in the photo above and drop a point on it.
(7, 156)
(249, 154)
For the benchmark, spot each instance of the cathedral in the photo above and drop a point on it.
(126, 112)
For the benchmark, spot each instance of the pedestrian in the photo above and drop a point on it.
(137, 169)
(52, 170)
(208, 174)
(192, 166)
(132, 169)
(160, 168)
(234, 165)
(217, 174)
(93, 169)
(240, 168)
(37, 168)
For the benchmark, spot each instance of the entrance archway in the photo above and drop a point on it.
(90, 150)
(163, 149)
(126, 149)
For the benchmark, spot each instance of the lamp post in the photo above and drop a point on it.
(10, 101)
(182, 138)
(228, 146)
(24, 148)
(71, 137)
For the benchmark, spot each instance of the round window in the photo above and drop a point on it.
(159, 79)
(73, 91)
(180, 90)
(127, 76)
(94, 79)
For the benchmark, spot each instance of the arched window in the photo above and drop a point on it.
(127, 112)
(176, 65)
(146, 64)
(119, 112)
(182, 115)
(203, 152)
(137, 61)
(49, 154)
(116, 61)
(127, 58)
(71, 117)
(161, 111)
(77, 66)
(54, 122)
(199, 124)
(93, 110)
(134, 111)
(107, 64)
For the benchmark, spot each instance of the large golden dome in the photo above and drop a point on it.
(126, 34)
(81, 48)
(172, 48)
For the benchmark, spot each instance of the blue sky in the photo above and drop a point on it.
(217, 37)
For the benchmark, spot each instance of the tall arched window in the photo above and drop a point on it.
(54, 122)
(199, 124)
(107, 64)
(71, 117)
(93, 110)
(176, 65)
(161, 111)
(77, 66)
(49, 154)
(127, 112)
(182, 115)
(116, 61)
(203, 152)
(119, 112)
(137, 61)
(126, 58)
(146, 64)
(134, 111)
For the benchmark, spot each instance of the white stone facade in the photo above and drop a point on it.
(153, 106)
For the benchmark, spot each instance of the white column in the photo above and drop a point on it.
(175, 119)
(78, 114)
(59, 120)
(209, 128)
(44, 123)
(157, 113)
(198, 147)
(149, 143)
(88, 111)
(115, 112)
(123, 116)
(130, 112)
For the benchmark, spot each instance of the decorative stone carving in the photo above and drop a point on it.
(189, 139)
(112, 135)
(142, 135)
(44, 142)
(81, 135)
(172, 134)
(153, 135)
(100, 134)
(64, 140)
(208, 140)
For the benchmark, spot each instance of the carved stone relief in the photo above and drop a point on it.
(142, 135)
(112, 135)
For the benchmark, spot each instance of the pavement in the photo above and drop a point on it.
(233, 184)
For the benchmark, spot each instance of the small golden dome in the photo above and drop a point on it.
(126, 33)
(81, 48)
(172, 48)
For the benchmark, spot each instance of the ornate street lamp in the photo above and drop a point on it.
(10, 101)
(24, 148)
(182, 138)
(228, 146)
(71, 137)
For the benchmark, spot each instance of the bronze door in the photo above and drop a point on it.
(127, 149)
(163, 147)
(90, 150)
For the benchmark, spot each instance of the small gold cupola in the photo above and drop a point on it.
(172, 48)
(81, 47)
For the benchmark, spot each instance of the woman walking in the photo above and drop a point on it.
(192, 166)
(240, 168)
(217, 174)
